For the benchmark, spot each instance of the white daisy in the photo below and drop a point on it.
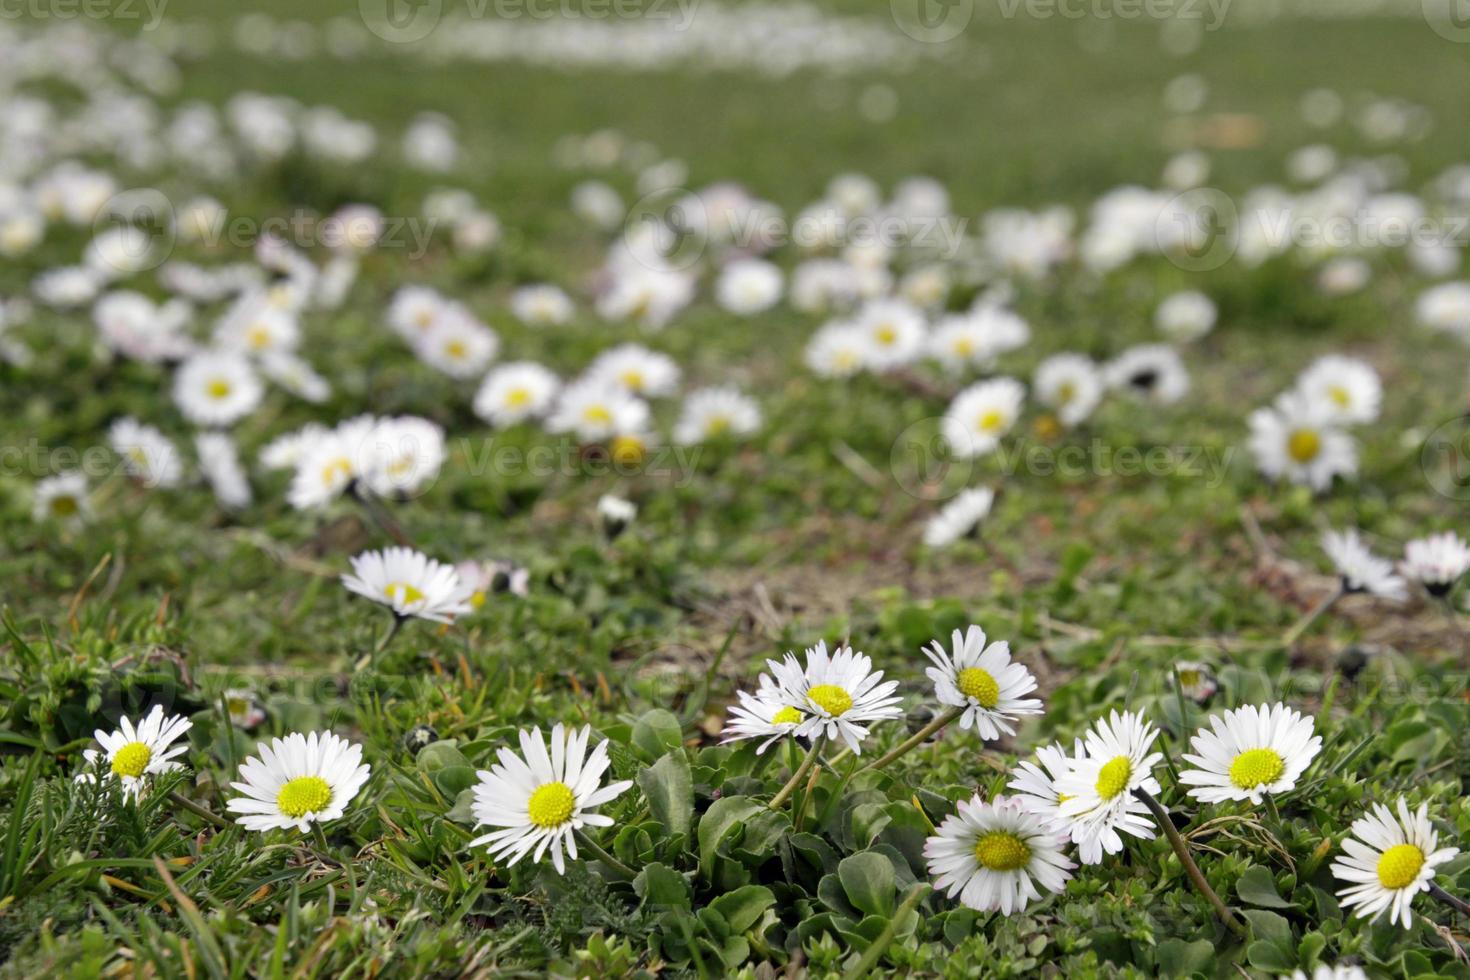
(405, 456)
(457, 344)
(1185, 316)
(219, 461)
(514, 392)
(594, 410)
(958, 518)
(1360, 569)
(958, 342)
(67, 287)
(768, 714)
(415, 310)
(981, 414)
(636, 370)
(1390, 859)
(841, 693)
(615, 513)
(146, 453)
(540, 798)
(332, 463)
(298, 781)
(410, 583)
(1447, 308)
(217, 388)
(1437, 562)
(1099, 788)
(1035, 783)
(295, 375)
(1196, 680)
(1151, 371)
(1250, 752)
(650, 296)
(541, 305)
(1070, 385)
(983, 681)
(748, 286)
(255, 326)
(894, 331)
(136, 327)
(1348, 389)
(993, 856)
(63, 499)
(837, 350)
(1298, 440)
(133, 753)
(284, 452)
(1344, 276)
(717, 413)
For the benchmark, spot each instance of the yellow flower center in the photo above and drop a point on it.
(338, 469)
(597, 413)
(633, 380)
(992, 420)
(1303, 445)
(964, 347)
(456, 349)
(787, 716)
(219, 389)
(403, 592)
(551, 805)
(845, 360)
(627, 450)
(423, 319)
(237, 706)
(885, 335)
(1256, 767)
(1001, 850)
(1113, 777)
(258, 337)
(1339, 396)
(1399, 866)
(976, 683)
(831, 699)
(517, 398)
(477, 599)
(717, 425)
(64, 507)
(1066, 391)
(1188, 678)
(303, 795)
(131, 760)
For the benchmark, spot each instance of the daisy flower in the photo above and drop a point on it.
(982, 681)
(133, 753)
(1099, 788)
(1360, 569)
(837, 350)
(1333, 972)
(1151, 371)
(894, 331)
(136, 327)
(716, 413)
(1250, 752)
(254, 326)
(767, 714)
(541, 305)
(483, 578)
(415, 310)
(981, 414)
(1185, 316)
(958, 518)
(1070, 385)
(1348, 389)
(1446, 308)
(1035, 783)
(1297, 440)
(616, 514)
(593, 410)
(1343, 276)
(1390, 859)
(515, 392)
(410, 583)
(636, 370)
(285, 451)
(295, 375)
(330, 464)
(993, 856)
(405, 456)
(1196, 680)
(63, 499)
(540, 799)
(958, 342)
(244, 710)
(1437, 562)
(217, 388)
(840, 693)
(457, 344)
(298, 781)
(748, 286)
(146, 453)
(219, 461)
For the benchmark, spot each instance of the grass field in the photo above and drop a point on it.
(1102, 578)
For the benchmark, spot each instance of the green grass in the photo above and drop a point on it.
(1101, 582)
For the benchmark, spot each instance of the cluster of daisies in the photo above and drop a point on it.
(1304, 437)
(1437, 563)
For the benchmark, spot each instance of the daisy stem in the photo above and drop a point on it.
(917, 738)
(1313, 614)
(796, 777)
(198, 811)
(1181, 848)
(1458, 904)
(380, 516)
(605, 857)
(880, 945)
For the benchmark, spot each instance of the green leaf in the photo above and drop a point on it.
(1265, 955)
(659, 885)
(1271, 928)
(656, 732)
(453, 780)
(669, 790)
(869, 882)
(1256, 886)
(723, 816)
(1177, 958)
(744, 907)
(440, 755)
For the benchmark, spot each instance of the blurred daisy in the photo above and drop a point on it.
(219, 461)
(993, 856)
(1185, 316)
(837, 350)
(636, 370)
(768, 714)
(515, 392)
(295, 375)
(1151, 371)
(959, 518)
(716, 413)
(458, 345)
(1070, 385)
(298, 781)
(894, 332)
(1334, 972)
(327, 466)
(983, 681)
(285, 451)
(1390, 859)
(134, 753)
(216, 388)
(1343, 276)
(1360, 569)
(63, 499)
(136, 327)
(1296, 439)
(981, 414)
(1099, 788)
(146, 453)
(495, 577)
(594, 410)
(1446, 308)
(1250, 752)
(958, 342)
(410, 583)
(242, 707)
(615, 514)
(1436, 562)
(415, 310)
(748, 286)
(405, 456)
(541, 305)
(1348, 389)
(841, 693)
(540, 798)
(254, 326)
(1196, 681)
